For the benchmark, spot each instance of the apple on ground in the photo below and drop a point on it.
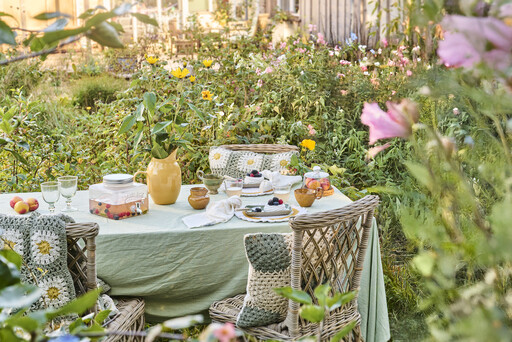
(33, 204)
(21, 207)
(15, 200)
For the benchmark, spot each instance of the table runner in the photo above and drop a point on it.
(181, 271)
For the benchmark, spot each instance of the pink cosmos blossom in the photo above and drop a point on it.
(409, 73)
(340, 75)
(393, 92)
(312, 131)
(506, 10)
(391, 63)
(344, 92)
(311, 27)
(396, 122)
(331, 53)
(344, 62)
(282, 45)
(295, 42)
(364, 68)
(270, 46)
(225, 333)
(260, 83)
(300, 50)
(372, 152)
(471, 40)
(321, 39)
(268, 70)
(337, 48)
(385, 43)
(374, 81)
(258, 71)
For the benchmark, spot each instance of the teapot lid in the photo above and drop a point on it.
(317, 173)
(118, 178)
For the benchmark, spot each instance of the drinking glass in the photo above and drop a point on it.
(51, 194)
(234, 187)
(67, 187)
(282, 191)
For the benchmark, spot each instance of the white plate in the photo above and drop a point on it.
(252, 192)
(295, 211)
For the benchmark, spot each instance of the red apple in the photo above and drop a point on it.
(33, 204)
(15, 200)
(21, 207)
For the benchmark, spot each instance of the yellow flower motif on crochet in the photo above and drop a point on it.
(180, 73)
(207, 95)
(250, 162)
(216, 156)
(309, 144)
(53, 293)
(44, 247)
(151, 59)
(283, 162)
(207, 63)
(192, 79)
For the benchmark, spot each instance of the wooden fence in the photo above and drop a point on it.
(338, 19)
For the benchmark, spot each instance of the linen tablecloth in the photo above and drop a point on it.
(180, 271)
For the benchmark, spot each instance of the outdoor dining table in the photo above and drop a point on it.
(180, 271)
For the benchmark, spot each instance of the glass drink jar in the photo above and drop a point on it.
(318, 179)
(118, 197)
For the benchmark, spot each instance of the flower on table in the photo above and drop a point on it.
(207, 63)
(151, 59)
(396, 122)
(207, 95)
(44, 246)
(192, 79)
(309, 144)
(55, 291)
(180, 73)
(225, 332)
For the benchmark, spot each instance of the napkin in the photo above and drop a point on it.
(216, 212)
(278, 179)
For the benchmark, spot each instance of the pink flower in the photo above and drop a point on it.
(321, 39)
(312, 131)
(393, 92)
(295, 42)
(372, 152)
(300, 50)
(364, 68)
(344, 62)
(374, 81)
(409, 73)
(258, 71)
(225, 332)
(471, 40)
(396, 122)
(391, 63)
(270, 46)
(340, 75)
(311, 27)
(268, 70)
(343, 92)
(385, 43)
(260, 83)
(283, 45)
(456, 111)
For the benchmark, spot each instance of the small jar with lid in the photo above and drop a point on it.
(318, 179)
(118, 197)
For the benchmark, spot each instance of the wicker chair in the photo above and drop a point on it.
(262, 148)
(82, 266)
(329, 247)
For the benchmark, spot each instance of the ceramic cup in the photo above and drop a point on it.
(211, 181)
(305, 197)
(198, 198)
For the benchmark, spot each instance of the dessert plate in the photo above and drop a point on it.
(249, 211)
(273, 219)
(252, 192)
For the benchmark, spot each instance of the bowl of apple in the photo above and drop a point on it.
(318, 179)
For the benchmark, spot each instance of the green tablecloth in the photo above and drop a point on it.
(181, 271)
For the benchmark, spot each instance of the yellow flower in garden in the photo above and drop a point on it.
(151, 59)
(309, 144)
(180, 73)
(185, 64)
(88, 108)
(207, 63)
(192, 79)
(207, 95)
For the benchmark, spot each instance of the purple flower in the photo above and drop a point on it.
(471, 40)
(396, 122)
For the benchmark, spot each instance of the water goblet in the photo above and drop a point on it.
(51, 194)
(282, 191)
(67, 187)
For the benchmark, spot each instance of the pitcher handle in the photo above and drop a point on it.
(137, 173)
(319, 193)
(200, 174)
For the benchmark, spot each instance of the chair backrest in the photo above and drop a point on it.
(262, 148)
(82, 255)
(329, 246)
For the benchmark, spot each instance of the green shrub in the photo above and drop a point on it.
(89, 91)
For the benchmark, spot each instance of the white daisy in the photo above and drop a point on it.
(12, 239)
(250, 161)
(218, 158)
(44, 246)
(280, 161)
(55, 292)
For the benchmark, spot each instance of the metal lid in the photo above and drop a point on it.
(317, 173)
(118, 178)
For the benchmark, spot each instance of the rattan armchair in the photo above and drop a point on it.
(262, 148)
(82, 266)
(329, 247)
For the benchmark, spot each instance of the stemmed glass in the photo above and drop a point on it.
(67, 187)
(51, 194)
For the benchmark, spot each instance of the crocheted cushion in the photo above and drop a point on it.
(269, 257)
(41, 242)
(237, 163)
